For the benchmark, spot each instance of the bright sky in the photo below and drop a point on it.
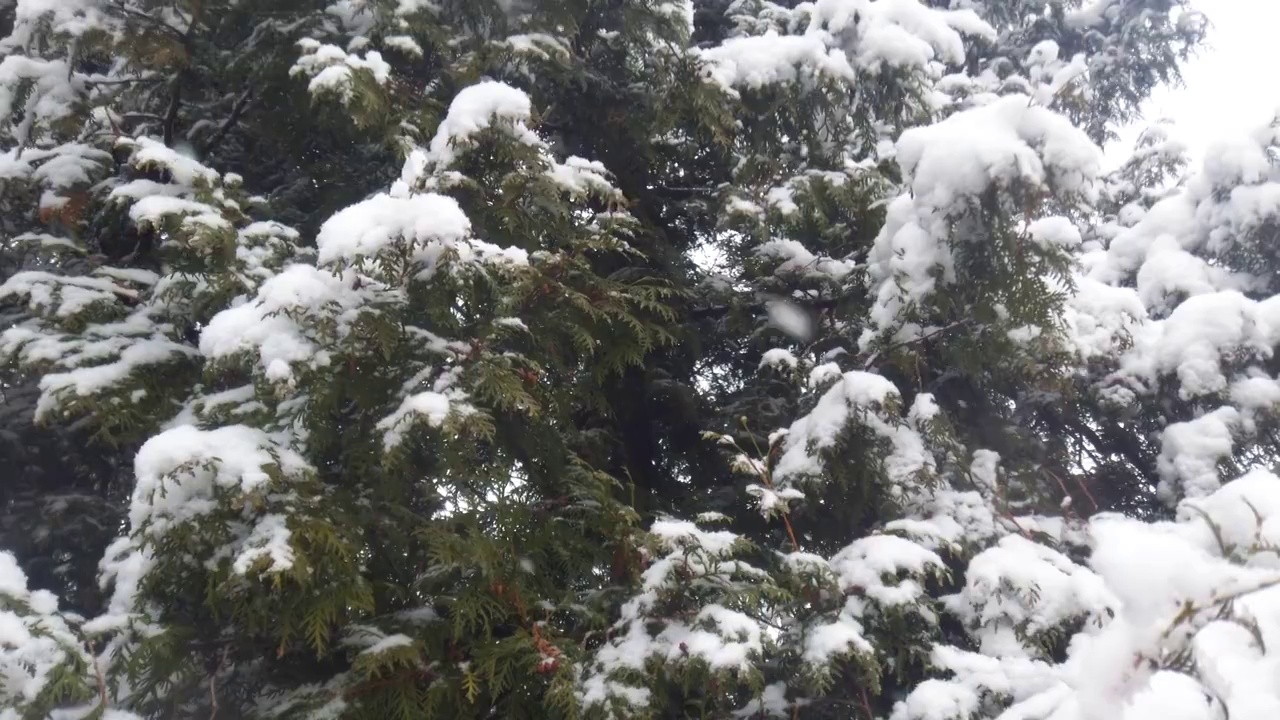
(1230, 86)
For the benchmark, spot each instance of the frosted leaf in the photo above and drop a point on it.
(87, 381)
(1196, 338)
(434, 407)
(184, 169)
(1024, 585)
(771, 703)
(1171, 272)
(73, 17)
(826, 641)
(474, 109)
(1190, 452)
(923, 409)
(1004, 141)
(843, 37)
(855, 397)
(722, 637)
(387, 643)
(369, 226)
(54, 91)
(269, 540)
(1245, 513)
(771, 58)
(153, 210)
(63, 167)
(582, 177)
(780, 358)
(179, 472)
(539, 45)
(770, 501)
(681, 533)
(13, 581)
(404, 44)
(938, 700)
(37, 645)
(62, 296)
(266, 325)
(866, 563)
(1054, 232)
(798, 260)
(1028, 683)
(333, 70)
(984, 470)
(1100, 318)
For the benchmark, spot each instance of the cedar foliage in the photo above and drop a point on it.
(575, 358)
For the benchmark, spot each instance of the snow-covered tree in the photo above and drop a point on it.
(634, 358)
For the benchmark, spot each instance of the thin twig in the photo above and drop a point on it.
(1063, 486)
(213, 681)
(102, 681)
(1079, 483)
(213, 695)
(764, 477)
(1190, 610)
(1002, 507)
(876, 355)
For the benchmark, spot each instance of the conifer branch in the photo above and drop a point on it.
(124, 81)
(149, 20)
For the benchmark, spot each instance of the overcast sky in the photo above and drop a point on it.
(1230, 87)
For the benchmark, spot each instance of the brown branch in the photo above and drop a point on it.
(237, 109)
(1065, 493)
(1083, 488)
(171, 114)
(1116, 444)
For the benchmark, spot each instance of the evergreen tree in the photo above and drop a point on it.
(629, 358)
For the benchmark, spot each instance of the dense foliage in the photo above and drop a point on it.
(629, 358)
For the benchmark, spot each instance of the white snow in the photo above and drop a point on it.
(474, 109)
(369, 226)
